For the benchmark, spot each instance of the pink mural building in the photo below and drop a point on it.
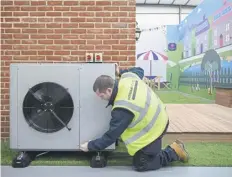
(222, 26)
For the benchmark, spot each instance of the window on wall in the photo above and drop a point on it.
(227, 38)
(215, 42)
(227, 26)
(215, 32)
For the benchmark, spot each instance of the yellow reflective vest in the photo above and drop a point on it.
(150, 118)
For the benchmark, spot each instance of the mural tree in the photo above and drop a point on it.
(211, 62)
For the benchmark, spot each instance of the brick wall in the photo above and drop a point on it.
(63, 31)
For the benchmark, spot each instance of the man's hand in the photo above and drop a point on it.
(84, 147)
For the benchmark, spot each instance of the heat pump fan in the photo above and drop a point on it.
(53, 106)
(48, 107)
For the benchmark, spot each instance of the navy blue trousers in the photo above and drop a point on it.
(153, 157)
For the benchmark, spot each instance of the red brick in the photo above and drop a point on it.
(38, 3)
(29, 30)
(45, 52)
(87, 3)
(28, 8)
(53, 25)
(127, 41)
(103, 36)
(38, 14)
(45, 41)
(45, 8)
(86, 14)
(62, 53)
(94, 8)
(103, 14)
(12, 30)
(54, 36)
(63, 31)
(119, 47)
(86, 47)
(95, 31)
(119, 58)
(79, 31)
(111, 9)
(37, 25)
(77, 19)
(6, 14)
(111, 31)
(102, 25)
(70, 14)
(67, 36)
(21, 3)
(78, 42)
(93, 19)
(61, 41)
(102, 47)
(119, 3)
(28, 52)
(4, 2)
(86, 25)
(97, 42)
(37, 58)
(12, 19)
(62, 20)
(53, 14)
(61, 8)
(70, 3)
(103, 3)
(21, 25)
(111, 42)
(53, 3)
(87, 36)
(37, 47)
(53, 47)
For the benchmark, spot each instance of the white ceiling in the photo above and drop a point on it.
(171, 2)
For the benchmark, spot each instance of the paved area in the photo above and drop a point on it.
(72, 171)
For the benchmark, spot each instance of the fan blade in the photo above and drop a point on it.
(55, 115)
(36, 96)
(36, 116)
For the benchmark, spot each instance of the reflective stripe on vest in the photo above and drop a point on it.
(145, 129)
(142, 112)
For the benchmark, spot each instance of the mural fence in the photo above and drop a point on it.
(203, 80)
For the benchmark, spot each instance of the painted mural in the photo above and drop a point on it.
(201, 50)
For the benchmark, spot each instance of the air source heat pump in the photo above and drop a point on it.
(53, 107)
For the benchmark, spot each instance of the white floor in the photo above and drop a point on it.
(72, 171)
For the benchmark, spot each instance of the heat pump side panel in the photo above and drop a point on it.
(28, 75)
(94, 116)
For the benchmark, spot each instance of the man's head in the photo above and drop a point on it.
(103, 87)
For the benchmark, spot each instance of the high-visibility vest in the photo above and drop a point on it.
(150, 118)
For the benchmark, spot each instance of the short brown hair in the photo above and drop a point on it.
(102, 83)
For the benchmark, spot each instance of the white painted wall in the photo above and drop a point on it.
(161, 15)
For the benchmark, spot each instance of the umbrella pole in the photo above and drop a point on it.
(150, 68)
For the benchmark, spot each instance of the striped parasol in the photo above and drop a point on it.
(152, 55)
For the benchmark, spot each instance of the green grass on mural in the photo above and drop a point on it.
(203, 92)
(175, 97)
(201, 154)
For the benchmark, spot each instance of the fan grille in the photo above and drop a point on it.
(48, 107)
